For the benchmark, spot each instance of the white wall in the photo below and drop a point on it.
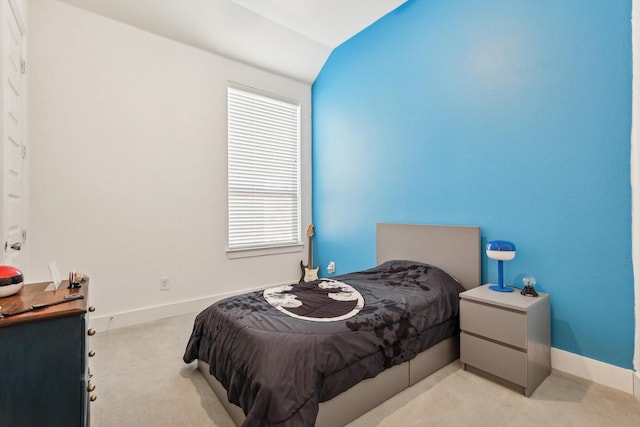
(128, 162)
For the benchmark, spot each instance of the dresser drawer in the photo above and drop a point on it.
(493, 322)
(496, 359)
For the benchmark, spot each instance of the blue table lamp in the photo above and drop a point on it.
(502, 251)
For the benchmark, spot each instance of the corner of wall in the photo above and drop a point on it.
(635, 185)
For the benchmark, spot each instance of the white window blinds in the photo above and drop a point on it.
(264, 171)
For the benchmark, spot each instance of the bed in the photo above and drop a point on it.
(247, 369)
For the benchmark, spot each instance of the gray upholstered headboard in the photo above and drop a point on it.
(454, 249)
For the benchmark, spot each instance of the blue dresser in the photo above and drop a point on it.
(44, 374)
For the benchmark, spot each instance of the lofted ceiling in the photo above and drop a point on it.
(290, 37)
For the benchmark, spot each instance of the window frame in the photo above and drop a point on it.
(259, 249)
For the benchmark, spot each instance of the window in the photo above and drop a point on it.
(264, 170)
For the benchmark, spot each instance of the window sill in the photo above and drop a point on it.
(253, 252)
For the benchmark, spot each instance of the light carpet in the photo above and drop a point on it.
(141, 380)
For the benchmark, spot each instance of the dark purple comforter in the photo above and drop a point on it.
(278, 368)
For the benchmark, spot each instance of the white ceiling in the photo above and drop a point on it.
(290, 37)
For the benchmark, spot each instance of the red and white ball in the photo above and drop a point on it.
(11, 280)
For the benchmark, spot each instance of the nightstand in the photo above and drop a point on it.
(506, 337)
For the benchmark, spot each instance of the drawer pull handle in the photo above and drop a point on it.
(91, 387)
(92, 353)
(91, 332)
(93, 398)
(92, 309)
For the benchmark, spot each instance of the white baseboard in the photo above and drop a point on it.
(612, 376)
(149, 314)
(594, 370)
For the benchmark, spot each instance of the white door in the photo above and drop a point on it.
(14, 149)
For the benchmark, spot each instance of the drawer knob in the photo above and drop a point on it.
(91, 332)
(93, 397)
(91, 387)
(92, 309)
(92, 353)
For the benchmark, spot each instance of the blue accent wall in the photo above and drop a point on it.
(512, 115)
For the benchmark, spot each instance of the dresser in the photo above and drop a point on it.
(44, 374)
(506, 337)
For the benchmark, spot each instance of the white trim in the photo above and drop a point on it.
(635, 175)
(18, 15)
(120, 320)
(636, 385)
(274, 250)
(593, 370)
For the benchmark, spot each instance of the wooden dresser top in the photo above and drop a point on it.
(35, 294)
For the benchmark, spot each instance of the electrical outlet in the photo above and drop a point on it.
(164, 283)
(331, 268)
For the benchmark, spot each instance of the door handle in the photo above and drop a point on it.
(16, 246)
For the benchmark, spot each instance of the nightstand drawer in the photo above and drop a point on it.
(496, 359)
(493, 322)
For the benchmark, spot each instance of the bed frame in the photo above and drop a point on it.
(454, 249)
